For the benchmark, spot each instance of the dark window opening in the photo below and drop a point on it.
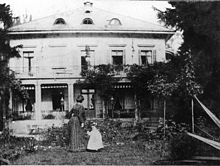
(87, 21)
(117, 57)
(146, 57)
(58, 100)
(84, 64)
(60, 21)
(87, 11)
(143, 60)
(117, 60)
(28, 55)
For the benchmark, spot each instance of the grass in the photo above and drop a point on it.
(127, 154)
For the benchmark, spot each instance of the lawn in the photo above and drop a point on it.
(127, 154)
(123, 145)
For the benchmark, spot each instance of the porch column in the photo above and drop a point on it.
(70, 95)
(10, 101)
(38, 102)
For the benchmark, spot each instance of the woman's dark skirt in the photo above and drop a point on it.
(76, 135)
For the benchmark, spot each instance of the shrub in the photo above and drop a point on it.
(49, 116)
(182, 147)
(112, 131)
(56, 136)
(12, 147)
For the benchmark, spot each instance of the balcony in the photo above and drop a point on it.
(47, 72)
(63, 72)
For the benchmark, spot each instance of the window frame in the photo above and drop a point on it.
(114, 24)
(59, 21)
(29, 61)
(123, 56)
(87, 19)
(152, 57)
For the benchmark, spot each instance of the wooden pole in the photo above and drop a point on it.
(192, 104)
(164, 116)
(136, 109)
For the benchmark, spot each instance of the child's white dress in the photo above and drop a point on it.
(95, 139)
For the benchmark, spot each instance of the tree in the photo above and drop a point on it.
(7, 78)
(200, 24)
(101, 78)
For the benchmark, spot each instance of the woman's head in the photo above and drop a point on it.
(80, 98)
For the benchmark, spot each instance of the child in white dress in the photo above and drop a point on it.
(95, 140)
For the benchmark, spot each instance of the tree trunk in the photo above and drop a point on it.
(192, 105)
(2, 108)
(104, 110)
(164, 116)
(136, 110)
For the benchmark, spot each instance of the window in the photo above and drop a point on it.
(87, 21)
(147, 57)
(84, 64)
(87, 58)
(87, 11)
(27, 61)
(114, 21)
(59, 21)
(117, 57)
(89, 102)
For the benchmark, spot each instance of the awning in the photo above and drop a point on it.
(53, 86)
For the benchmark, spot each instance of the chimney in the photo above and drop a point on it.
(88, 6)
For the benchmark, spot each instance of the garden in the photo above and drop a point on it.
(124, 144)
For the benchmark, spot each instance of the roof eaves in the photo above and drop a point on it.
(90, 31)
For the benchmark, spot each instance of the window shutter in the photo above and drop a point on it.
(108, 57)
(139, 57)
(93, 58)
(124, 57)
(154, 56)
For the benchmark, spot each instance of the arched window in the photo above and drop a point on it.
(87, 11)
(114, 21)
(87, 21)
(59, 21)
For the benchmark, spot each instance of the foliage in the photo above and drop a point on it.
(182, 147)
(100, 77)
(207, 128)
(12, 147)
(7, 78)
(112, 131)
(55, 136)
(139, 76)
(199, 22)
(16, 116)
(160, 86)
(187, 80)
(49, 116)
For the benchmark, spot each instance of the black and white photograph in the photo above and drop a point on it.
(109, 82)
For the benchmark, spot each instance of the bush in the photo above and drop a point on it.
(12, 147)
(49, 116)
(56, 136)
(182, 147)
(112, 131)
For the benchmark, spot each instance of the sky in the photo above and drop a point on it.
(40, 8)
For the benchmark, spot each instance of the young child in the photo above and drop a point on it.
(95, 140)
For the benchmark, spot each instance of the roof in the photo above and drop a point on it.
(100, 19)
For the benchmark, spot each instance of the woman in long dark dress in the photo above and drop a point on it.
(75, 126)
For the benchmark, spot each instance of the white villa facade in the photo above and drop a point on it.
(55, 50)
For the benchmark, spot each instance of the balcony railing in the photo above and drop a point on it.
(47, 71)
(60, 72)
